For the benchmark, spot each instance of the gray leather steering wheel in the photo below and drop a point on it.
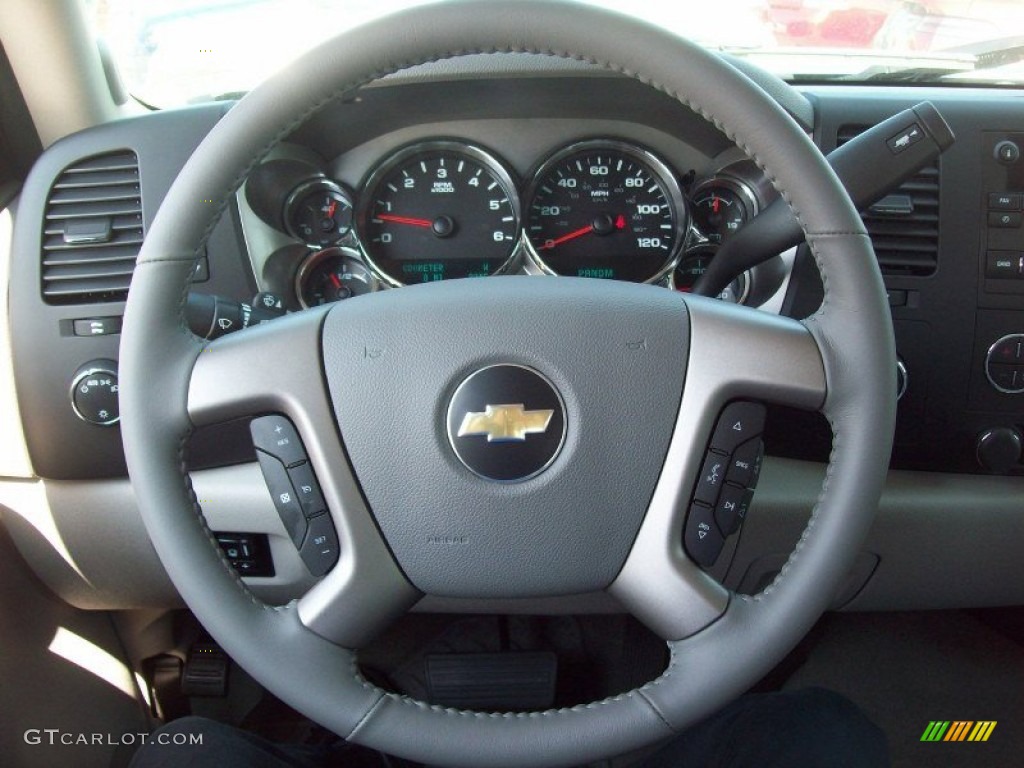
(638, 414)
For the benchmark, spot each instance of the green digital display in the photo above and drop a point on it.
(603, 273)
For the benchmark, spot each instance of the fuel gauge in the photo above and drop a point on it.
(330, 275)
(721, 206)
(318, 212)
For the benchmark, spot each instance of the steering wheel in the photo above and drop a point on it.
(640, 375)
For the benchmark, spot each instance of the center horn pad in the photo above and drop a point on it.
(508, 432)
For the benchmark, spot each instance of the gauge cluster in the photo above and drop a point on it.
(443, 209)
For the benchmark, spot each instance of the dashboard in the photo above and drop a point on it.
(444, 208)
(500, 168)
(403, 206)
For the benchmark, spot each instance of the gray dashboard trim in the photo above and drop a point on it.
(520, 65)
(926, 560)
(943, 541)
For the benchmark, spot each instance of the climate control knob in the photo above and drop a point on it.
(999, 450)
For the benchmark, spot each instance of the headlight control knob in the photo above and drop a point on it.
(94, 391)
(999, 450)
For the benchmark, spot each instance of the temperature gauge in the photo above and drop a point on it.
(318, 212)
(330, 275)
(695, 263)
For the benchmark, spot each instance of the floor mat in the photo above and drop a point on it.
(909, 669)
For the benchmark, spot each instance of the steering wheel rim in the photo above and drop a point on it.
(839, 361)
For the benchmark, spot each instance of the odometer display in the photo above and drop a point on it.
(437, 211)
(607, 210)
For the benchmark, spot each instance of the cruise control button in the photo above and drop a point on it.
(277, 436)
(284, 496)
(732, 508)
(745, 465)
(702, 539)
(738, 423)
(307, 489)
(320, 549)
(712, 475)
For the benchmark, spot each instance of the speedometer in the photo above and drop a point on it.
(605, 209)
(439, 210)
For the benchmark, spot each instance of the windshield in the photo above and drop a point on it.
(172, 52)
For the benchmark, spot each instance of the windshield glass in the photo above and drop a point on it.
(173, 52)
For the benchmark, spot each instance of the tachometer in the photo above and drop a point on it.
(605, 209)
(436, 211)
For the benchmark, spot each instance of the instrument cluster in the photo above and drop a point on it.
(445, 209)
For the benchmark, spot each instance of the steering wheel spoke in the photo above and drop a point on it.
(262, 369)
(742, 353)
(277, 368)
(735, 354)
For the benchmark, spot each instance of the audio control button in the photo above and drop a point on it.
(712, 475)
(739, 422)
(702, 539)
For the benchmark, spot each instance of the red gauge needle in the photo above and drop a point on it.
(335, 281)
(566, 238)
(716, 203)
(331, 209)
(405, 220)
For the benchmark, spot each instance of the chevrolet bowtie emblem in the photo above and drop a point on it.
(505, 423)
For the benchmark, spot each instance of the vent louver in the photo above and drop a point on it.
(92, 230)
(904, 226)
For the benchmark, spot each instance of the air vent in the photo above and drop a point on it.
(904, 226)
(92, 230)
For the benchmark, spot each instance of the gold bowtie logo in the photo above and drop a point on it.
(505, 423)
